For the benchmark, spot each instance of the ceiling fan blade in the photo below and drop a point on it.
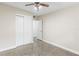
(29, 4)
(46, 5)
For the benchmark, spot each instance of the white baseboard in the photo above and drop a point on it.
(5, 49)
(12, 47)
(60, 46)
(24, 43)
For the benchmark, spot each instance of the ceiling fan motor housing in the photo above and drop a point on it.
(36, 2)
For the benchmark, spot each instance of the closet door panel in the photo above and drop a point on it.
(28, 37)
(19, 30)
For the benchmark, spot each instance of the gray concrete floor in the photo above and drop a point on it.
(38, 48)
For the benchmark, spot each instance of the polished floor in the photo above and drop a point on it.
(38, 48)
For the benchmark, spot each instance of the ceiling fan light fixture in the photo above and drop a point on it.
(37, 8)
(37, 5)
(40, 7)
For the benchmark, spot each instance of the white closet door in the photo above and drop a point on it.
(28, 35)
(19, 30)
(23, 30)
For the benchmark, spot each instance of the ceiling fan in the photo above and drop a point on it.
(37, 5)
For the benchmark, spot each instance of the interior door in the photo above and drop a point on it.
(23, 30)
(28, 34)
(37, 29)
(37, 36)
(19, 30)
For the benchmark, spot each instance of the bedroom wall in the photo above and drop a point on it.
(8, 26)
(62, 28)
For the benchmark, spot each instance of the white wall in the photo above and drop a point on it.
(62, 28)
(8, 26)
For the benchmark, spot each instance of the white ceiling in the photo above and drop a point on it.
(53, 6)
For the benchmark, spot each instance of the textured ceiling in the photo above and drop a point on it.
(53, 6)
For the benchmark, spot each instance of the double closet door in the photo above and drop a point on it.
(28, 30)
(23, 30)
